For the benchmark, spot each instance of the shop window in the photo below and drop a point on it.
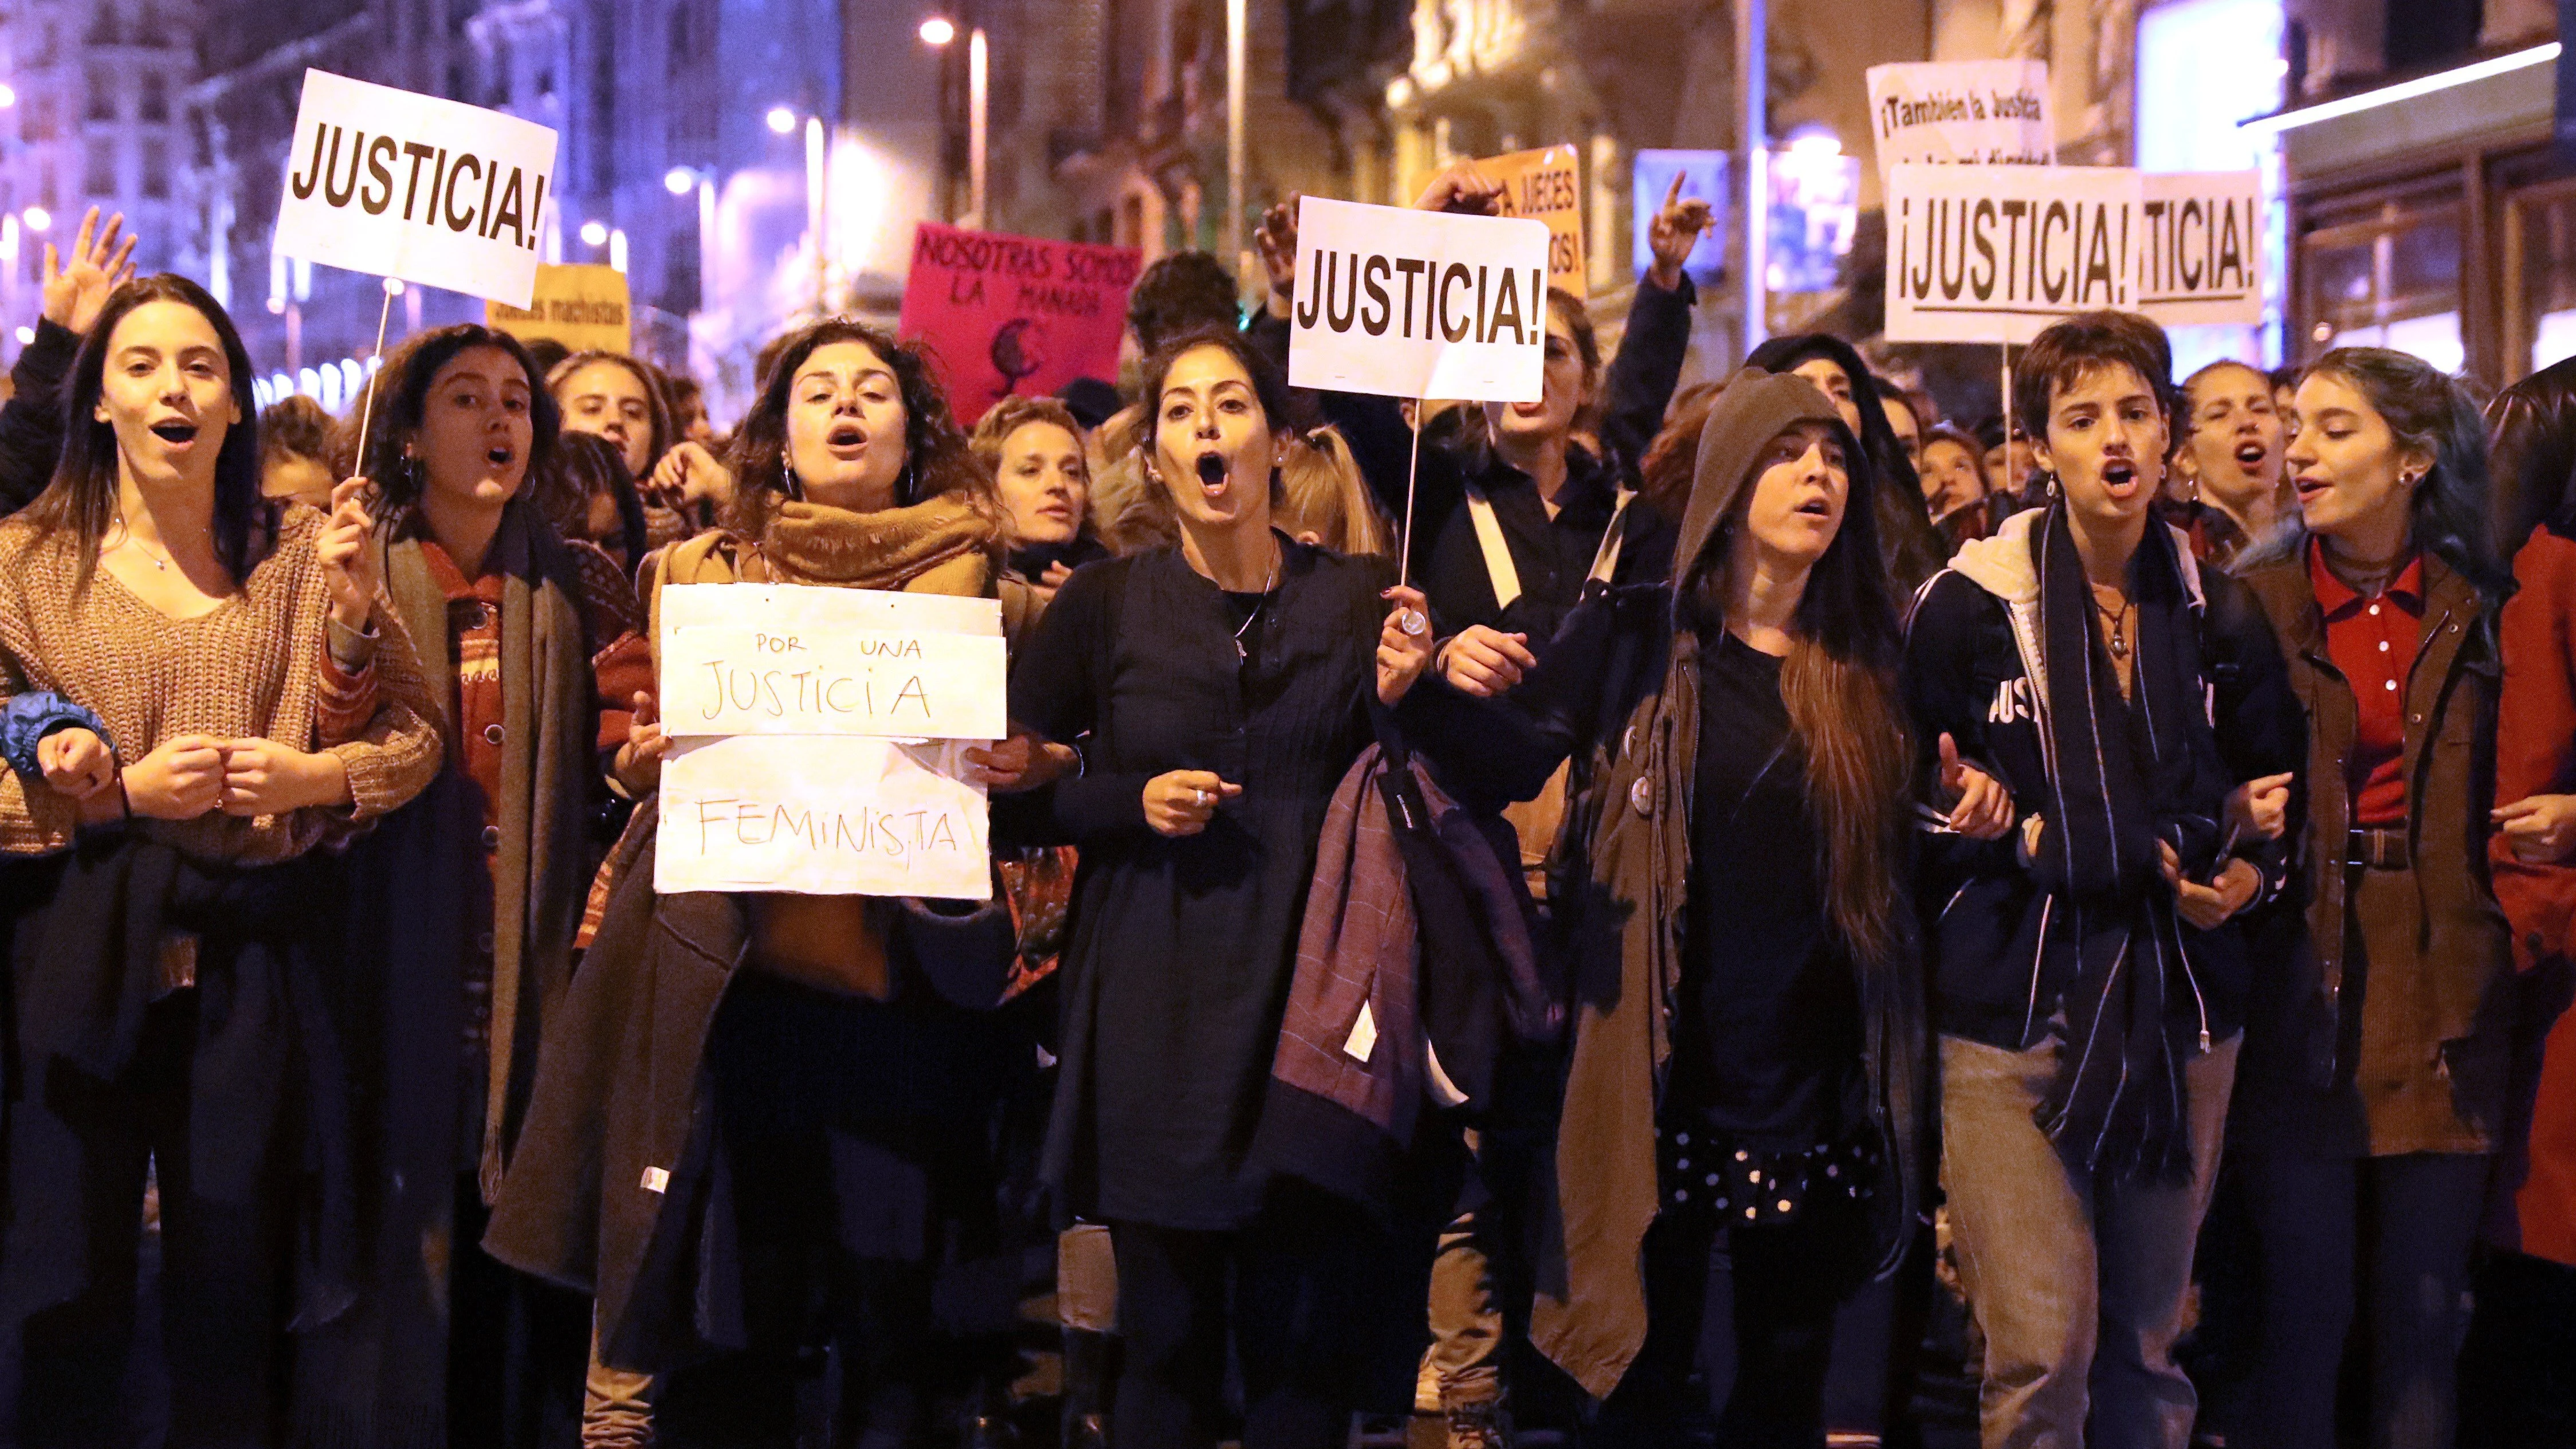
(2540, 275)
(2390, 278)
(98, 173)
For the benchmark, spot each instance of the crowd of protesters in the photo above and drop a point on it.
(1488, 899)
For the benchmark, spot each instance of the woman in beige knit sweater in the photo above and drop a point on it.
(201, 689)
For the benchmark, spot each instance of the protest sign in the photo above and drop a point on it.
(783, 659)
(411, 186)
(2200, 247)
(821, 732)
(820, 815)
(1547, 186)
(1405, 303)
(1996, 253)
(1703, 173)
(582, 307)
(1014, 314)
(1976, 112)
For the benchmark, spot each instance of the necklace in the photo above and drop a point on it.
(1242, 655)
(2115, 618)
(127, 536)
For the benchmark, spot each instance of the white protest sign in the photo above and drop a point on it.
(821, 816)
(1988, 253)
(1405, 303)
(784, 659)
(2201, 247)
(411, 186)
(1975, 112)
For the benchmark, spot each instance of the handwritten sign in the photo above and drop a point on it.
(781, 659)
(2200, 254)
(1546, 185)
(821, 732)
(1976, 112)
(405, 185)
(1987, 253)
(582, 307)
(822, 816)
(1405, 303)
(1014, 314)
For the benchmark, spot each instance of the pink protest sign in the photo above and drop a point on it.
(1014, 314)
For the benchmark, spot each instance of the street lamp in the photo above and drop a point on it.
(8, 96)
(938, 30)
(38, 219)
(782, 119)
(680, 181)
(594, 233)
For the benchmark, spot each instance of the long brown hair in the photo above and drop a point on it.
(936, 457)
(1839, 686)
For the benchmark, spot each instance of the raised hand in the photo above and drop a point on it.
(1983, 808)
(1463, 189)
(1276, 240)
(348, 565)
(687, 474)
(74, 294)
(1672, 234)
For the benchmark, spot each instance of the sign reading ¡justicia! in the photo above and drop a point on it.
(412, 186)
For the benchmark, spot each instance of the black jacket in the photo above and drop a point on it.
(31, 423)
(1999, 967)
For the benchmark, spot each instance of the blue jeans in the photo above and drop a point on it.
(2078, 1282)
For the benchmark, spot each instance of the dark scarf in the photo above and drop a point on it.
(2124, 775)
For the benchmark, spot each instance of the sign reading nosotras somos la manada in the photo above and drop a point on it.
(1405, 303)
(405, 185)
(1953, 113)
(582, 307)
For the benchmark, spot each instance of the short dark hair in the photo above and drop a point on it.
(1268, 387)
(2060, 357)
(401, 389)
(294, 425)
(1184, 292)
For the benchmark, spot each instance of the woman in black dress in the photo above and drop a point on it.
(1218, 691)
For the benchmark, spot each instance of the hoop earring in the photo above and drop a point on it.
(907, 487)
(795, 486)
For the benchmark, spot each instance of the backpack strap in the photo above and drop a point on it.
(1499, 568)
(1605, 560)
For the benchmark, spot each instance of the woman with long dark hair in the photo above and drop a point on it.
(809, 1108)
(1738, 849)
(1221, 689)
(2376, 1062)
(202, 690)
(535, 669)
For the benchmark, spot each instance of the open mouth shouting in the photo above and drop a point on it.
(2250, 456)
(847, 440)
(177, 432)
(2312, 487)
(500, 455)
(2120, 479)
(1212, 473)
(1816, 507)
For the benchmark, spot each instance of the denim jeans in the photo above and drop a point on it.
(2079, 1282)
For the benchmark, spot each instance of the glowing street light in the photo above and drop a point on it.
(782, 119)
(38, 219)
(595, 233)
(8, 97)
(678, 180)
(937, 30)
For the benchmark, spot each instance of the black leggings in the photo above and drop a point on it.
(1778, 1288)
(1285, 1290)
(2400, 1226)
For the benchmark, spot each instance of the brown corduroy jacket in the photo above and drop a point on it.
(2296, 1033)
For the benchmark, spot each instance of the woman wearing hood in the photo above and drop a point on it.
(2088, 980)
(1737, 850)
(1912, 549)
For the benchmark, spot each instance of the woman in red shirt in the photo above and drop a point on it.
(2369, 1096)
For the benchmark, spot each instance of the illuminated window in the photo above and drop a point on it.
(2203, 66)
